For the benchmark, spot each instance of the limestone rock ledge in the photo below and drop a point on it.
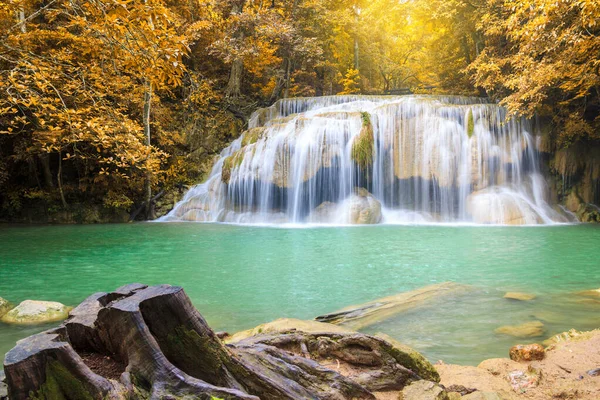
(142, 342)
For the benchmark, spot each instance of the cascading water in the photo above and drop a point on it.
(366, 159)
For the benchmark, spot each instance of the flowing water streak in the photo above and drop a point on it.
(434, 159)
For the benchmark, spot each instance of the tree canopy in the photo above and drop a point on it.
(111, 101)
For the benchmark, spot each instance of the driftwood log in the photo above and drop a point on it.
(150, 342)
(367, 314)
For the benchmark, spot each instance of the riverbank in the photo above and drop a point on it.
(171, 351)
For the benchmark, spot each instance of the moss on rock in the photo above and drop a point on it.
(362, 148)
(36, 312)
(233, 161)
(411, 359)
(470, 124)
(252, 136)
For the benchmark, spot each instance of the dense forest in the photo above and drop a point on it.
(106, 106)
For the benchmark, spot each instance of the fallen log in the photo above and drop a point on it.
(367, 314)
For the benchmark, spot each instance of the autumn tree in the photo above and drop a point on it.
(543, 57)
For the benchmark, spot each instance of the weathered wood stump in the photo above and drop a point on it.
(150, 342)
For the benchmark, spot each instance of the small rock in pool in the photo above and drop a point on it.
(528, 329)
(36, 312)
(527, 352)
(519, 296)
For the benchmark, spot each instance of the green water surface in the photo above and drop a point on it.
(239, 277)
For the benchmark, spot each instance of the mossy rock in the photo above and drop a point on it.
(411, 359)
(5, 306)
(252, 136)
(233, 161)
(31, 312)
(588, 213)
(470, 124)
(362, 147)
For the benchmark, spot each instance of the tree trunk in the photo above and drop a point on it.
(234, 86)
(146, 118)
(45, 163)
(59, 180)
(22, 20)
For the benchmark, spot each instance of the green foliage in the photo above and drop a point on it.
(362, 147)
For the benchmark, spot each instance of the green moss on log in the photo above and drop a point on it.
(362, 148)
(470, 124)
(61, 384)
(184, 347)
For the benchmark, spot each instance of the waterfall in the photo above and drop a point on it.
(371, 159)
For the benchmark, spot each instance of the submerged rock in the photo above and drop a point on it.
(590, 293)
(423, 390)
(527, 352)
(519, 296)
(36, 312)
(528, 329)
(5, 306)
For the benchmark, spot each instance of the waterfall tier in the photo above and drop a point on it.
(367, 159)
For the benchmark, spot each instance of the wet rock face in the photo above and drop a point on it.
(530, 352)
(36, 312)
(150, 342)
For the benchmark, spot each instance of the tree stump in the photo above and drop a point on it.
(151, 343)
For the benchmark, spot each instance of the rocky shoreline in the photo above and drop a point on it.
(150, 342)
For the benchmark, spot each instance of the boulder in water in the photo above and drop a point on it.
(36, 312)
(363, 208)
(501, 206)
